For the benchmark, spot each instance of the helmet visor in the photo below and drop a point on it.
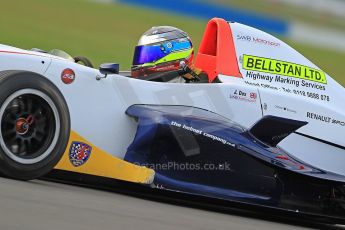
(149, 54)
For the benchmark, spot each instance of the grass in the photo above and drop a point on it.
(108, 32)
(103, 32)
(329, 61)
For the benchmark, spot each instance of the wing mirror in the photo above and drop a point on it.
(109, 68)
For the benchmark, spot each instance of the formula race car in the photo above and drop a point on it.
(268, 133)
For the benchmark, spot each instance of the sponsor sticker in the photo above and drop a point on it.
(79, 153)
(325, 119)
(67, 76)
(284, 80)
(264, 106)
(278, 67)
(257, 40)
(285, 108)
(200, 132)
(242, 95)
(253, 96)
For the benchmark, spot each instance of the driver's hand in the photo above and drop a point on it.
(188, 74)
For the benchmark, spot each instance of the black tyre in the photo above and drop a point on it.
(84, 61)
(35, 125)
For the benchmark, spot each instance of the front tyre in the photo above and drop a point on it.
(35, 125)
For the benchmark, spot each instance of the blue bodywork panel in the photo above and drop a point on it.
(196, 151)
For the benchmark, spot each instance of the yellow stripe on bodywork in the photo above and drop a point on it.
(104, 164)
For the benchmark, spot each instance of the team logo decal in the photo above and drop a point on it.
(67, 76)
(79, 153)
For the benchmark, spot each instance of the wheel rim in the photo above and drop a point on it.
(30, 126)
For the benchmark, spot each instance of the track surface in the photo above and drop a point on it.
(46, 205)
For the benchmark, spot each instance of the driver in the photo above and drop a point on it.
(165, 54)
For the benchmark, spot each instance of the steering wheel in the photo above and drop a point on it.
(83, 60)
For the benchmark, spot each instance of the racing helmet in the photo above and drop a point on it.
(160, 51)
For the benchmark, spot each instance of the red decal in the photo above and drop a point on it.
(67, 76)
(282, 157)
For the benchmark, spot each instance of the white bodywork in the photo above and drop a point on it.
(97, 107)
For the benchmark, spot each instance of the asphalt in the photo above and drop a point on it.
(46, 205)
